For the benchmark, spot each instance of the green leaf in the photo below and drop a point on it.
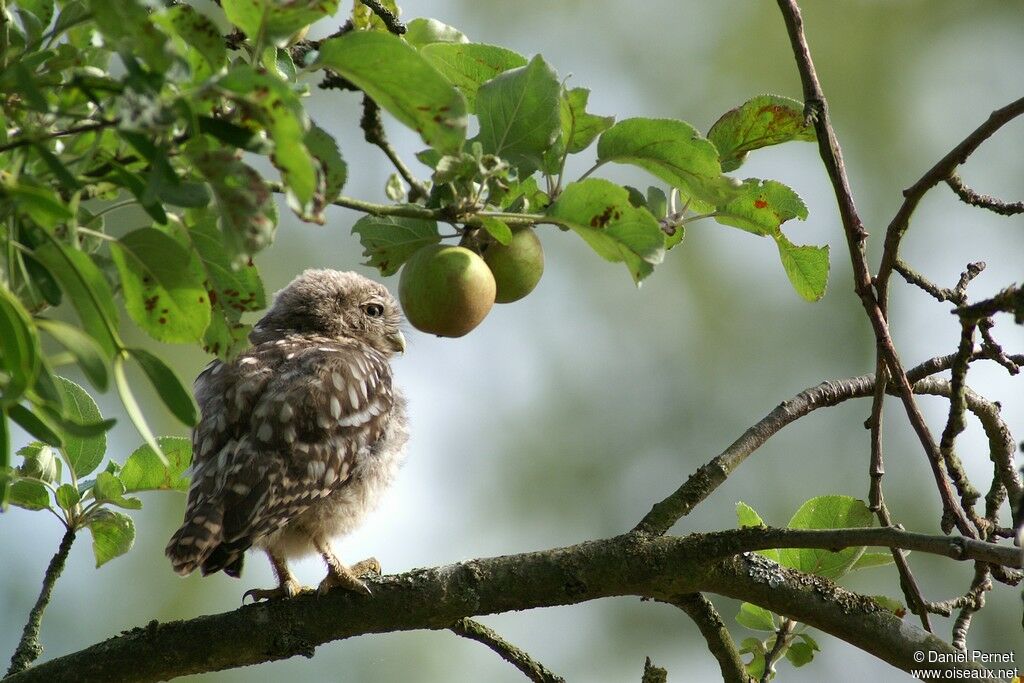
(599, 211)
(402, 82)
(30, 495)
(497, 229)
(163, 286)
(333, 170)
(35, 425)
(657, 202)
(759, 122)
(42, 205)
(276, 21)
(827, 512)
(799, 654)
(40, 463)
(278, 109)
(109, 489)
(761, 206)
(755, 618)
(86, 351)
(143, 470)
(197, 31)
(131, 406)
(231, 291)
(113, 534)
(67, 496)
(519, 113)
(174, 395)
(394, 188)
(469, 65)
(19, 348)
(126, 27)
(5, 461)
(891, 604)
(747, 516)
(755, 667)
(82, 453)
(248, 217)
(671, 150)
(389, 241)
(868, 560)
(580, 128)
(421, 31)
(806, 266)
(88, 290)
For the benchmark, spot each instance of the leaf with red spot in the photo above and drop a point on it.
(761, 206)
(599, 211)
(759, 122)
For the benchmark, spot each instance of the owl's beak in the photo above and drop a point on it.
(397, 342)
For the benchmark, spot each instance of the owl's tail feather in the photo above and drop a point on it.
(197, 539)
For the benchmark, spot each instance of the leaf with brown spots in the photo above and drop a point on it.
(759, 122)
(599, 211)
(162, 284)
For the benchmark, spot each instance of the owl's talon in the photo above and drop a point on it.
(368, 567)
(347, 580)
(288, 589)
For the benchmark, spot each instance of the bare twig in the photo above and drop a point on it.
(935, 175)
(720, 642)
(1010, 300)
(856, 238)
(782, 637)
(974, 603)
(29, 648)
(74, 130)
(985, 326)
(957, 294)
(653, 674)
(531, 668)
(984, 201)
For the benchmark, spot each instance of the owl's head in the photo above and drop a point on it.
(335, 304)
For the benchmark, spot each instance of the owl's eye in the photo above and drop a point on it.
(374, 310)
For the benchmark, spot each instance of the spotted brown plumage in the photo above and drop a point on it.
(298, 435)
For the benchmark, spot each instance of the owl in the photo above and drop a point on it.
(299, 435)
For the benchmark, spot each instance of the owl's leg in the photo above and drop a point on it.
(340, 575)
(287, 585)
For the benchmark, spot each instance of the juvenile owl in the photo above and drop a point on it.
(299, 435)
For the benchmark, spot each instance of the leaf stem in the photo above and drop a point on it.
(590, 170)
(29, 648)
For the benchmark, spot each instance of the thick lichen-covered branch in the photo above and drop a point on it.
(659, 568)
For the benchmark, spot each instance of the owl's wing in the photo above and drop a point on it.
(297, 436)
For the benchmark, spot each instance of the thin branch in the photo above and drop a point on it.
(29, 647)
(856, 238)
(719, 640)
(531, 668)
(782, 637)
(75, 130)
(1010, 300)
(390, 20)
(984, 201)
(957, 294)
(373, 130)
(658, 568)
(981, 584)
(942, 169)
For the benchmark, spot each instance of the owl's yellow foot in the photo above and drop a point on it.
(348, 577)
(287, 589)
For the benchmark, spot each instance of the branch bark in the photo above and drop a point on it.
(660, 568)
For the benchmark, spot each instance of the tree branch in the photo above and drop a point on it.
(856, 238)
(659, 568)
(29, 648)
(983, 201)
(942, 169)
(531, 668)
(719, 640)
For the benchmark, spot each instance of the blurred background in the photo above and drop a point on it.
(563, 417)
